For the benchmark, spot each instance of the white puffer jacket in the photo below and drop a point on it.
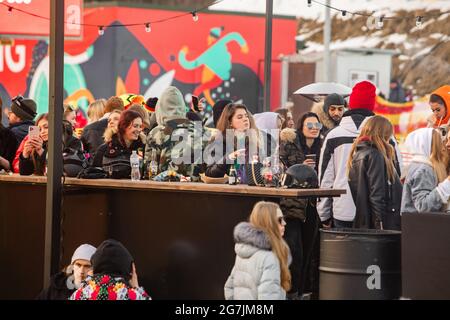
(256, 272)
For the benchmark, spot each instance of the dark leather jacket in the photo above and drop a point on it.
(376, 199)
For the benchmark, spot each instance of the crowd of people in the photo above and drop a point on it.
(339, 144)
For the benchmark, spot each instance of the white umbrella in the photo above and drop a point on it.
(315, 91)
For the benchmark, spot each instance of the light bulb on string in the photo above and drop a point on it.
(148, 28)
(309, 3)
(344, 13)
(194, 16)
(419, 22)
(101, 31)
(10, 9)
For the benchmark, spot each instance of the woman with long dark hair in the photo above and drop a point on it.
(114, 154)
(303, 144)
(32, 153)
(238, 139)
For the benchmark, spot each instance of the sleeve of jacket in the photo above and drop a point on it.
(269, 287)
(11, 148)
(216, 168)
(398, 162)
(425, 195)
(26, 166)
(327, 177)
(98, 158)
(375, 171)
(229, 287)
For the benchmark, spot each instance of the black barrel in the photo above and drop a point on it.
(360, 264)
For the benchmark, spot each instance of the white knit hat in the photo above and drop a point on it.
(84, 252)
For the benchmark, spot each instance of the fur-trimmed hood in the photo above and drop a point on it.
(249, 240)
(324, 118)
(109, 132)
(288, 135)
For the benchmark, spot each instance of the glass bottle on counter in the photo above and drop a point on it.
(152, 166)
(232, 177)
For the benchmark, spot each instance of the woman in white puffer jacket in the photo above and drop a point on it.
(261, 270)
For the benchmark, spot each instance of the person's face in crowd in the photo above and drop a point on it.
(133, 130)
(393, 85)
(240, 120)
(311, 128)
(290, 121)
(12, 118)
(71, 117)
(336, 112)
(281, 222)
(43, 129)
(438, 109)
(81, 269)
(113, 120)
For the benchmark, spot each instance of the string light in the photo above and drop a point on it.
(10, 9)
(419, 22)
(380, 22)
(309, 3)
(101, 31)
(148, 28)
(194, 16)
(344, 13)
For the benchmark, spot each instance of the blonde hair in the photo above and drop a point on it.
(379, 130)
(96, 110)
(438, 157)
(264, 217)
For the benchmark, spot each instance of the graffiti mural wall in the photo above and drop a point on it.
(215, 57)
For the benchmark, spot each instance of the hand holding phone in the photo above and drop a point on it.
(194, 103)
(33, 132)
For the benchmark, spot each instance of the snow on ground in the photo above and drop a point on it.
(299, 8)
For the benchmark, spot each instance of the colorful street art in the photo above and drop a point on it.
(405, 117)
(216, 57)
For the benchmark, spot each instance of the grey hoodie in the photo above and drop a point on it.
(422, 191)
(256, 273)
(170, 106)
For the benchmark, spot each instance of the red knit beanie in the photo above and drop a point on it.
(363, 96)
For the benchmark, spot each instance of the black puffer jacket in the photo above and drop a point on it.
(293, 148)
(114, 152)
(376, 199)
(58, 289)
(8, 145)
(92, 137)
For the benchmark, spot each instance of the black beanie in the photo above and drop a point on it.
(218, 109)
(112, 258)
(333, 99)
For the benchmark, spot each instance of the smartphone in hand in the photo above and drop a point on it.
(33, 132)
(194, 103)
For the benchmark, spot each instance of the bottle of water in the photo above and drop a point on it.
(134, 161)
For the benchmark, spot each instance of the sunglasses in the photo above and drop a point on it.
(312, 125)
(281, 220)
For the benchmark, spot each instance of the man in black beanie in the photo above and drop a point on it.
(21, 116)
(331, 113)
(114, 276)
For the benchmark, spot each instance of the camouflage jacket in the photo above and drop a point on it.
(179, 147)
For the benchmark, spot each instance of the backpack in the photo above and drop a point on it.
(73, 162)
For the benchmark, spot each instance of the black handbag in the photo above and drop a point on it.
(92, 173)
(253, 174)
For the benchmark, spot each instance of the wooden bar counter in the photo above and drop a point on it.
(180, 234)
